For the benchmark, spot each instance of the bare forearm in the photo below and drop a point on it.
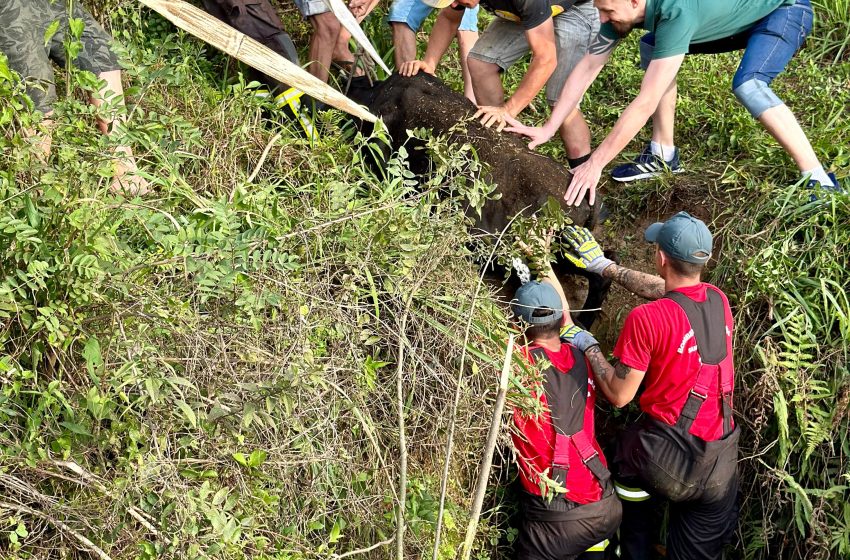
(575, 87)
(535, 78)
(553, 280)
(628, 125)
(610, 379)
(442, 35)
(645, 285)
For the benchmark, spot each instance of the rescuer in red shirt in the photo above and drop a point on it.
(568, 504)
(678, 348)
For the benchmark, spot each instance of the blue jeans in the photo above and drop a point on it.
(769, 46)
(414, 12)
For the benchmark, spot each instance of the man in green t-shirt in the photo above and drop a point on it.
(770, 31)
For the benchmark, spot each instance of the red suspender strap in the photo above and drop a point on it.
(561, 458)
(705, 379)
(707, 319)
(590, 457)
(727, 383)
(584, 446)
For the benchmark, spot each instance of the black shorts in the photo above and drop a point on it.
(562, 530)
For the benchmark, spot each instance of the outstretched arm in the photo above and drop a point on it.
(660, 74)
(645, 285)
(544, 60)
(442, 34)
(575, 87)
(587, 253)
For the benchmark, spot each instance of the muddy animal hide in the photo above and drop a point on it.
(525, 179)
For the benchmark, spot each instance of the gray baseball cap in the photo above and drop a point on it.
(682, 237)
(537, 295)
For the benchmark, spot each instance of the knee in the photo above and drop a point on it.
(755, 95)
(479, 68)
(401, 28)
(326, 26)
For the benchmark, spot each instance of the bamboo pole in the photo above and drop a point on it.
(487, 461)
(349, 22)
(238, 45)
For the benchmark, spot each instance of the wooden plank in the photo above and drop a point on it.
(220, 35)
(349, 22)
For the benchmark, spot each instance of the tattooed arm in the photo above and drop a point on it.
(645, 285)
(618, 383)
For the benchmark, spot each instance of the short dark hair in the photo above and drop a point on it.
(686, 269)
(546, 330)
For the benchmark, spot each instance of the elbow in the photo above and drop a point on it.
(620, 402)
(548, 64)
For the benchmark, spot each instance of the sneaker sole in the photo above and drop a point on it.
(645, 175)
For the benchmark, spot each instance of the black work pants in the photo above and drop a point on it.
(563, 530)
(696, 530)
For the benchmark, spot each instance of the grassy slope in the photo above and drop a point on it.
(222, 355)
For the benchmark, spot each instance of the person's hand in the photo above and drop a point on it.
(491, 115)
(578, 337)
(126, 179)
(359, 7)
(544, 241)
(412, 67)
(585, 178)
(536, 251)
(538, 134)
(586, 253)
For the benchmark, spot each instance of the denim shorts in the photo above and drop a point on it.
(414, 12)
(311, 7)
(769, 44)
(504, 42)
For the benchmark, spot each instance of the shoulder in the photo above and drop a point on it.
(672, 9)
(651, 311)
(718, 290)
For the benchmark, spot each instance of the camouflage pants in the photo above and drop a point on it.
(23, 24)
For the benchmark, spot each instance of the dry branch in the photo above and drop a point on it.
(220, 35)
(487, 460)
(63, 527)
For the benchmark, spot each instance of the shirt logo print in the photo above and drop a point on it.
(689, 335)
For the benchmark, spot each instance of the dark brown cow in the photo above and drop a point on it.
(525, 180)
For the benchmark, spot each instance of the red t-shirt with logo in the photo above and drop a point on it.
(534, 437)
(657, 338)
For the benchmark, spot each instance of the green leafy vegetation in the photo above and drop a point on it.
(211, 371)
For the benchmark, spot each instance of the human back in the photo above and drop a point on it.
(658, 338)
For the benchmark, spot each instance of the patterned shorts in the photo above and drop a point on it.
(23, 24)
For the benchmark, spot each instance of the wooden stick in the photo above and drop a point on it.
(458, 384)
(487, 461)
(402, 441)
(349, 22)
(364, 550)
(63, 527)
(223, 37)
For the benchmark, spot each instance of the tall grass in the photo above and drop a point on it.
(210, 372)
